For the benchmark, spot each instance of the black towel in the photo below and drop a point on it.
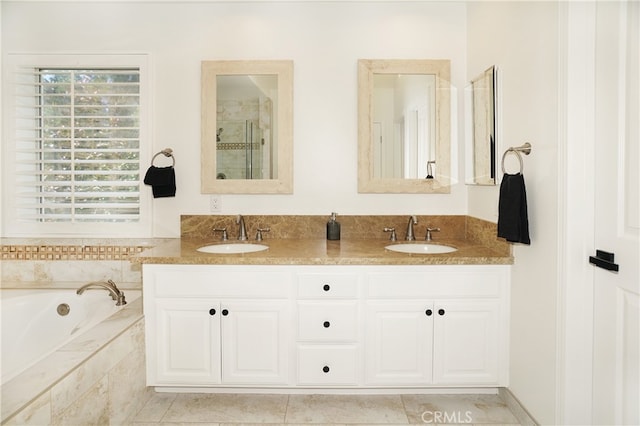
(513, 222)
(162, 181)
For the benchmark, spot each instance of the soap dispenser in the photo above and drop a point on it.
(333, 228)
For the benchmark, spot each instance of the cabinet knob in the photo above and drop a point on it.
(225, 312)
(325, 368)
(428, 312)
(326, 287)
(326, 324)
(440, 311)
(212, 312)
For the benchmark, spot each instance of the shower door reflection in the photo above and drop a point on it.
(245, 146)
(241, 151)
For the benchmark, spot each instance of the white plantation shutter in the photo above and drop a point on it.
(77, 147)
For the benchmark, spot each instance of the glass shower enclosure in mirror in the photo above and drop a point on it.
(244, 136)
(481, 125)
(404, 126)
(246, 126)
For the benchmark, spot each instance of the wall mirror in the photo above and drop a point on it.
(247, 127)
(404, 126)
(481, 125)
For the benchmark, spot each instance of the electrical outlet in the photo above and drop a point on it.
(216, 203)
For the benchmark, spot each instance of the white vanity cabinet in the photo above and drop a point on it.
(326, 326)
(440, 327)
(399, 343)
(184, 345)
(216, 326)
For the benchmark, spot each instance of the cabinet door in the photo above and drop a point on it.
(466, 343)
(398, 343)
(187, 341)
(255, 341)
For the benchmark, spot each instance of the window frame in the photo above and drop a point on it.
(12, 225)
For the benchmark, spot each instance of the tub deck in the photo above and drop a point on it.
(56, 368)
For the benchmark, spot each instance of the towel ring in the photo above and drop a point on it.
(525, 149)
(167, 152)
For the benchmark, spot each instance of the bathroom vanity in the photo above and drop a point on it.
(316, 315)
(326, 326)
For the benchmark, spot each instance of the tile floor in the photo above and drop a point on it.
(233, 409)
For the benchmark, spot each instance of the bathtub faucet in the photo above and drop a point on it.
(110, 286)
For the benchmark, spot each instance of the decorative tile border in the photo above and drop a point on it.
(68, 252)
(234, 146)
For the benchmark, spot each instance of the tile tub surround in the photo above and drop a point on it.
(60, 249)
(300, 240)
(48, 262)
(97, 380)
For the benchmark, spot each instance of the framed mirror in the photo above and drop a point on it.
(481, 120)
(404, 126)
(247, 127)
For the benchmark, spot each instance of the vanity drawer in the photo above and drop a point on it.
(328, 322)
(461, 282)
(217, 281)
(327, 286)
(327, 365)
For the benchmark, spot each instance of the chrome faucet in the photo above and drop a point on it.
(110, 286)
(242, 230)
(410, 235)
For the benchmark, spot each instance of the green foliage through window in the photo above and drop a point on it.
(84, 148)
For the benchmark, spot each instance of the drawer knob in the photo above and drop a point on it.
(225, 312)
(428, 312)
(440, 311)
(212, 311)
(326, 287)
(325, 368)
(326, 324)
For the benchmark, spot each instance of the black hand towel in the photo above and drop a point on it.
(513, 221)
(162, 181)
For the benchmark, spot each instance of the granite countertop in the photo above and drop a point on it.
(291, 251)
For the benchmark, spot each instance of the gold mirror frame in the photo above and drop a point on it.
(283, 184)
(441, 182)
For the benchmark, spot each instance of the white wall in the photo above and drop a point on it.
(522, 40)
(324, 39)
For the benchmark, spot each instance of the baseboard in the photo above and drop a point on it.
(517, 408)
(330, 391)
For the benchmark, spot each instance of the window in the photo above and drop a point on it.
(77, 142)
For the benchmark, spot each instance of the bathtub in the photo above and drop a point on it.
(36, 323)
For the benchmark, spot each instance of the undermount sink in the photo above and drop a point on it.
(232, 248)
(420, 248)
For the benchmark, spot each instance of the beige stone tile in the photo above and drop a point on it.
(91, 371)
(155, 408)
(457, 409)
(92, 408)
(26, 386)
(17, 270)
(79, 270)
(127, 383)
(180, 424)
(234, 408)
(295, 424)
(335, 409)
(37, 413)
